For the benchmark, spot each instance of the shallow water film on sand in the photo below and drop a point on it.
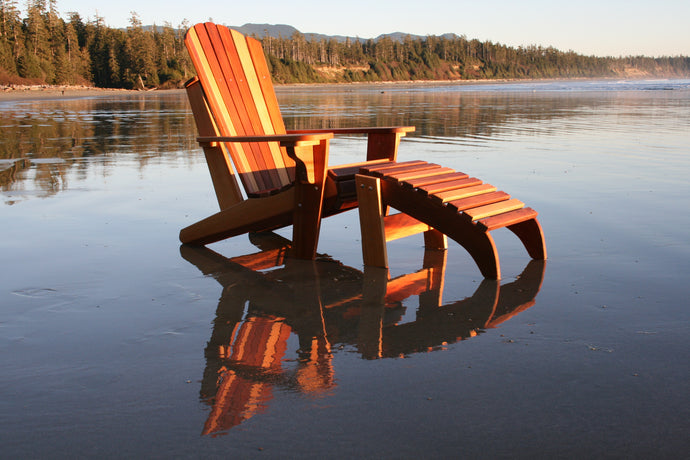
(115, 341)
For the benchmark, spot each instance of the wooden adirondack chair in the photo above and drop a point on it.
(287, 180)
(285, 175)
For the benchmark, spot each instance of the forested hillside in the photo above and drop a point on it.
(44, 48)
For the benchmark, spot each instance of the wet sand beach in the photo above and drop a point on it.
(116, 341)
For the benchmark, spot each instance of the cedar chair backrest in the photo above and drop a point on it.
(240, 96)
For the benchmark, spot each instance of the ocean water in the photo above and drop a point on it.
(115, 341)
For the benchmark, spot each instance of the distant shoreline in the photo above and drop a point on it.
(48, 92)
(39, 92)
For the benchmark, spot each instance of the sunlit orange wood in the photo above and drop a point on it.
(531, 234)
(217, 157)
(494, 209)
(371, 221)
(216, 94)
(284, 175)
(287, 179)
(425, 173)
(382, 142)
(411, 171)
(309, 195)
(444, 186)
(462, 192)
(251, 215)
(401, 225)
(467, 219)
(433, 239)
(506, 219)
(422, 181)
(380, 170)
(478, 200)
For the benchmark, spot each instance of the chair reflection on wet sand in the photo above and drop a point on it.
(267, 297)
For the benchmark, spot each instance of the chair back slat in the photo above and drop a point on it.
(260, 95)
(234, 75)
(264, 77)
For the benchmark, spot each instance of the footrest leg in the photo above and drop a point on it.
(371, 221)
(433, 239)
(532, 237)
(481, 247)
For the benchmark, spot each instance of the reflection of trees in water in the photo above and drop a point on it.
(43, 141)
(437, 113)
(152, 125)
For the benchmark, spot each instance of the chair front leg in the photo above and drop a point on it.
(306, 223)
(311, 164)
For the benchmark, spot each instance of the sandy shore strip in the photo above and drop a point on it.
(22, 92)
(37, 92)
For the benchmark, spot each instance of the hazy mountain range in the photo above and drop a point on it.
(286, 31)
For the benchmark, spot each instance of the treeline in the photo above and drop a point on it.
(44, 48)
(442, 58)
(447, 58)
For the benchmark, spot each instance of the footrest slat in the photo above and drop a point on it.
(504, 220)
(450, 185)
(379, 171)
(463, 192)
(422, 181)
(479, 200)
(493, 209)
(391, 173)
(420, 173)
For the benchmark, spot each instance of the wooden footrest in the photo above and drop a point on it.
(477, 202)
(454, 204)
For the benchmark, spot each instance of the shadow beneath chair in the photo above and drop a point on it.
(268, 298)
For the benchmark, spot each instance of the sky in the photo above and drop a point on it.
(589, 27)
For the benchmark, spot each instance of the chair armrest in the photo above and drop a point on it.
(362, 130)
(382, 142)
(311, 162)
(285, 140)
(310, 151)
